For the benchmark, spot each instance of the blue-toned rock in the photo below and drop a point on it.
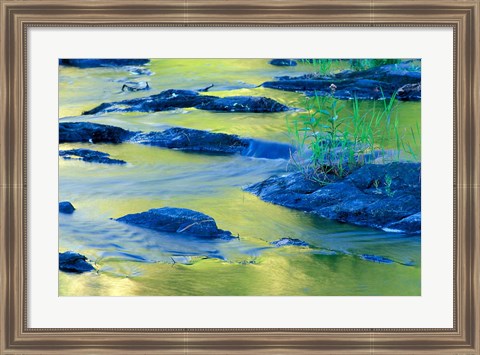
(371, 84)
(165, 101)
(283, 62)
(173, 99)
(90, 156)
(70, 132)
(411, 224)
(193, 140)
(283, 242)
(65, 207)
(376, 259)
(95, 63)
(177, 220)
(74, 263)
(243, 104)
(375, 195)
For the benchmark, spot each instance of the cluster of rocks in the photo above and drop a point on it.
(403, 80)
(185, 139)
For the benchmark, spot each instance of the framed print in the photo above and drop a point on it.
(239, 177)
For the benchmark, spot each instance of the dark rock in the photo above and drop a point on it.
(70, 132)
(74, 262)
(243, 104)
(283, 62)
(134, 86)
(66, 207)
(94, 63)
(375, 83)
(90, 156)
(410, 92)
(289, 242)
(173, 99)
(374, 195)
(411, 224)
(177, 220)
(165, 101)
(376, 259)
(193, 140)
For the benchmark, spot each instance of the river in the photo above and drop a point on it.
(135, 261)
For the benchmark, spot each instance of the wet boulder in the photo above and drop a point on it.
(283, 242)
(375, 195)
(283, 62)
(243, 104)
(65, 207)
(410, 92)
(411, 224)
(70, 132)
(173, 99)
(74, 263)
(165, 101)
(177, 220)
(193, 140)
(89, 156)
(95, 63)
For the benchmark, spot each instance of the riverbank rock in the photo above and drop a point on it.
(65, 207)
(177, 220)
(71, 132)
(89, 156)
(371, 84)
(375, 195)
(193, 140)
(243, 104)
(74, 263)
(283, 242)
(95, 63)
(283, 62)
(173, 99)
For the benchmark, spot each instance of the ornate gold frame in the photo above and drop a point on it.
(17, 15)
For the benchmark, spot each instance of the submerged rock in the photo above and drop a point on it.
(74, 262)
(136, 86)
(374, 195)
(94, 63)
(289, 242)
(376, 259)
(283, 62)
(193, 140)
(177, 220)
(65, 207)
(375, 83)
(173, 99)
(90, 156)
(243, 104)
(70, 132)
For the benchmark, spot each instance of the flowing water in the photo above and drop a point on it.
(136, 261)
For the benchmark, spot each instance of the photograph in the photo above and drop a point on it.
(239, 176)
